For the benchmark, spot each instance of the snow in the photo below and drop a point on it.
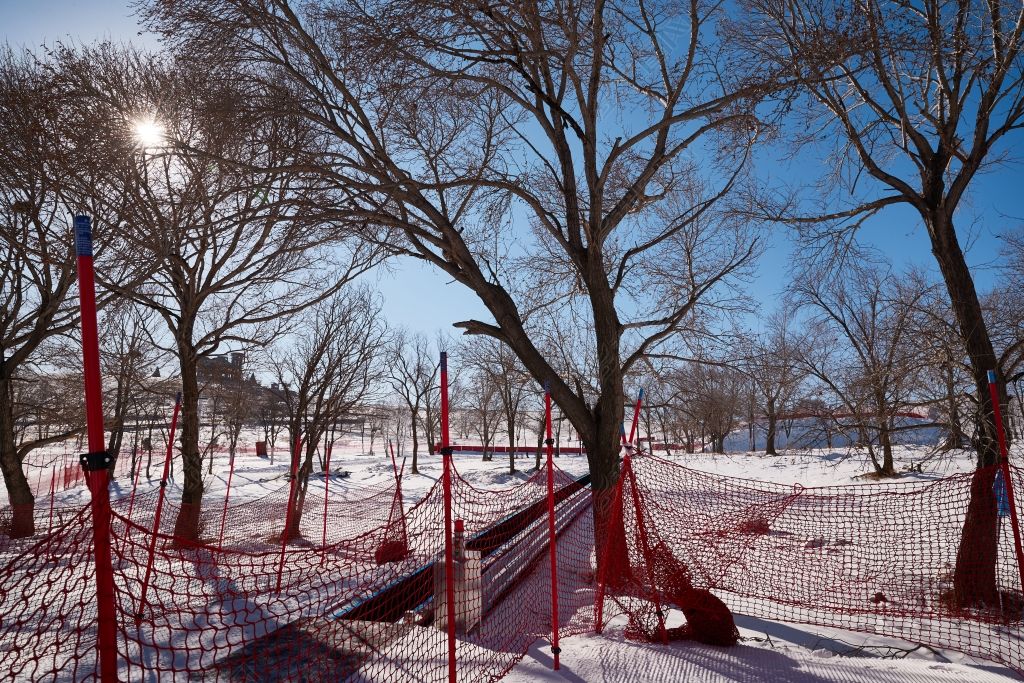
(794, 654)
(774, 651)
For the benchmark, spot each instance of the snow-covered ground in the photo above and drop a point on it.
(773, 651)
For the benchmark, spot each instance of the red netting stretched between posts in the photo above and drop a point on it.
(216, 614)
(877, 558)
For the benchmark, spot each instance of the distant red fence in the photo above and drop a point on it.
(477, 449)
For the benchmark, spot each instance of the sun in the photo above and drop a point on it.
(148, 132)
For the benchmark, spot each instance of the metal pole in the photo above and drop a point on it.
(135, 486)
(227, 495)
(636, 417)
(446, 485)
(555, 649)
(288, 511)
(97, 461)
(327, 482)
(159, 507)
(604, 557)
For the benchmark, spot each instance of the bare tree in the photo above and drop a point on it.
(220, 208)
(481, 405)
(328, 370)
(475, 126)
(511, 381)
(272, 415)
(919, 99)
(44, 143)
(711, 397)
(946, 376)
(863, 351)
(774, 368)
(128, 354)
(413, 375)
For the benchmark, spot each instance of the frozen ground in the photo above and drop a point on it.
(773, 651)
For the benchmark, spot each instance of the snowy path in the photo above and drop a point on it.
(610, 658)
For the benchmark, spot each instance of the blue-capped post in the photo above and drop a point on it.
(96, 462)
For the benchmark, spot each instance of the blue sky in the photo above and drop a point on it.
(31, 23)
(414, 294)
(422, 298)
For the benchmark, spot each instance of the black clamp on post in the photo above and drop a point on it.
(447, 450)
(549, 442)
(555, 650)
(95, 461)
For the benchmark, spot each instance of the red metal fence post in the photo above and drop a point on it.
(288, 510)
(446, 485)
(603, 558)
(53, 494)
(1005, 463)
(636, 417)
(96, 462)
(159, 508)
(552, 538)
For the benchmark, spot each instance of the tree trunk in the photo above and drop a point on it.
(885, 440)
(187, 524)
(602, 442)
(974, 575)
(428, 431)
(19, 493)
(955, 436)
(116, 437)
(773, 420)
(298, 501)
(511, 426)
(974, 579)
(415, 444)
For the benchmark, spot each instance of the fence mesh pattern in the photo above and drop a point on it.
(367, 599)
(875, 558)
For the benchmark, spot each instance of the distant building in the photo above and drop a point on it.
(225, 369)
